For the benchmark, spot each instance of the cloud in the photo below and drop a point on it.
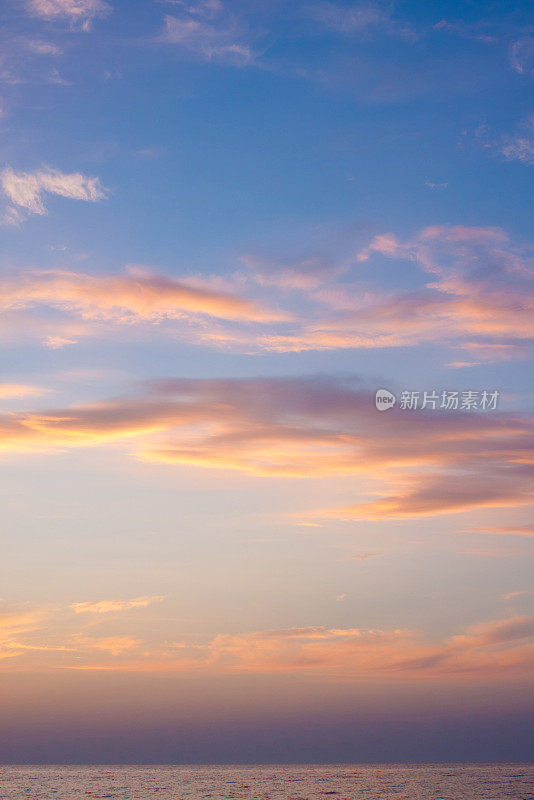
(116, 645)
(16, 623)
(506, 530)
(516, 146)
(500, 650)
(362, 556)
(210, 33)
(522, 55)
(305, 275)
(79, 13)
(479, 30)
(474, 292)
(10, 390)
(57, 342)
(43, 48)
(520, 146)
(451, 494)
(135, 297)
(514, 595)
(478, 297)
(25, 190)
(114, 606)
(415, 464)
(361, 19)
(350, 19)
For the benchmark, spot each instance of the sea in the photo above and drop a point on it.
(273, 782)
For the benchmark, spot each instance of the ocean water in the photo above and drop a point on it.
(278, 782)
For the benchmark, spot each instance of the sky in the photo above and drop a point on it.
(224, 227)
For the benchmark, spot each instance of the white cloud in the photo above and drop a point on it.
(516, 146)
(80, 13)
(206, 40)
(359, 18)
(522, 55)
(43, 48)
(520, 146)
(210, 32)
(25, 190)
(349, 19)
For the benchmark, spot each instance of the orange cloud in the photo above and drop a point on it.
(506, 530)
(487, 312)
(137, 296)
(15, 623)
(497, 648)
(10, 390)
(37, 640)
(501, 649)
(110, 606)
(116, 645)
(423, 463)
(514, 595)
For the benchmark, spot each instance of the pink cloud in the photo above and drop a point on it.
(421, 464)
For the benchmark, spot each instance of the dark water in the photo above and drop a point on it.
(282, 782)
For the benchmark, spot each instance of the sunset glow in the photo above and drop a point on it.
(225, 226)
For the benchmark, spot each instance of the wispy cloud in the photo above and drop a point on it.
(516, 146)
(522, 55)
(43, 48)
(116, 645)
(361, 556)
(350, 18)
(515, 595)
(209, 32)
(25, 190)
(500, 650)
(136, 297)
(420, 464)
(79, 13)
(505, 530)
(327, 306)
(361, 19)
(487, 312)
(520, 146)
(11, 390)
(114, 606)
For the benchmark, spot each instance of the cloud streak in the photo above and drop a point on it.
(475, 292)
(25, 191)
(479, 297)
(209, 32)
(431, 464)
(114, 606)
(79, 13)
(496, 650)
(135, 297)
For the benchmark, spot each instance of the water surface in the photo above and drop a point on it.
(273, 782)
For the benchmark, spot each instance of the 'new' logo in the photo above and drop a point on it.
(384, 400)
